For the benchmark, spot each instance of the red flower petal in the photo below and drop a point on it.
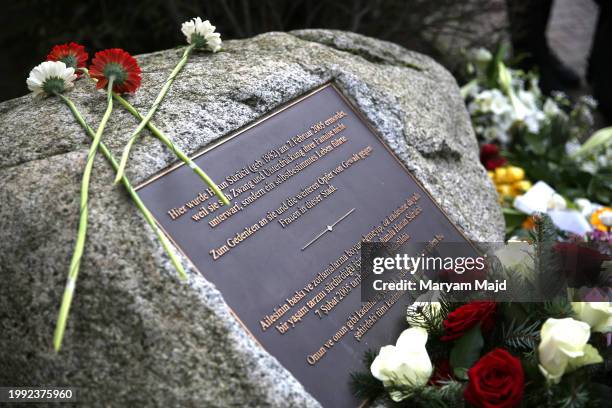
(467, 316)
(116, 60)
(489, 156)
(72, 54)
(494, 162)
(496, 380)
(489, 149)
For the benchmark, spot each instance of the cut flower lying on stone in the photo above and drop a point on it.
(71, 54)
(51, 78)
(201, 34)
(117, 64)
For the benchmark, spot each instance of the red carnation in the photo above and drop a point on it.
(467, 316)
(71, 54)
(119, 64)
(495, 381)
(489, 156)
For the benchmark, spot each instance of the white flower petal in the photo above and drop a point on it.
(50, 70)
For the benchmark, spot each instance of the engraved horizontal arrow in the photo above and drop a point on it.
(327, 229)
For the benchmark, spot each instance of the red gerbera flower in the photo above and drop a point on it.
(71, 54)
(119, 64)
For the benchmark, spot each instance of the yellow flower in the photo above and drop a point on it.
(521, 187)
(509, 181)
(501, 174)
(514, 173)
(602, 219)
(504, 190)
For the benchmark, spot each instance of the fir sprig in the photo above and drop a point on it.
(523, 336)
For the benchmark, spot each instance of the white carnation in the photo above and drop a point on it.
(202, 34)
(50, 77)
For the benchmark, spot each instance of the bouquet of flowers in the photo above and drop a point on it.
(539, 150)
(480, 353)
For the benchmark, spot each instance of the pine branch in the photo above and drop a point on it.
(522, 337)
(447, 395)
(365, 386)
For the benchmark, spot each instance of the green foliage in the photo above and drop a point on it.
(600, 395)
(524, 336)
(446, 395)
(363, 384)
(514, 220)
(546, 260)
(558, 308)
(466, 352)
(543, 156)
(431, 319)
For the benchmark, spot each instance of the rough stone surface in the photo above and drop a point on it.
(136, 335)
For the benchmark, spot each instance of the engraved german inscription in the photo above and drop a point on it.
(307, 184)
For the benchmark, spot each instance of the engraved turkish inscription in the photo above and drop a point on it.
(306, 184)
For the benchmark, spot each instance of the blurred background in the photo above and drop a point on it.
(439, 28)
(31, 27)
(510, 58)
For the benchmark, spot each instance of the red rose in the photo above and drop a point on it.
(467, 316)
(489, 156)
(495, 381)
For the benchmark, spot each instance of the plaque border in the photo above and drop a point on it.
(235, 133)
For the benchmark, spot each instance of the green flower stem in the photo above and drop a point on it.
(75, 262)
(128, 186)
(70, 285)
(182, 156)
(149, 115)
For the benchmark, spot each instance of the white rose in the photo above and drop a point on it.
(563, 347)
(429, 308)
(406, 363)
(598, 315)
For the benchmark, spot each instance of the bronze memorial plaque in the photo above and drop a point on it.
(307, 183)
